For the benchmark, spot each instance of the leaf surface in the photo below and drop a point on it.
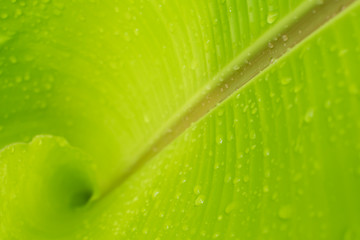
(278, 159)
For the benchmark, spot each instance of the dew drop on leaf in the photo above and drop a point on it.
(197, 189)
(4, 15)
(13, 59)
(309, 115)
(252, 135)
(216, 235)
(4, 39)
(155, 193)
(246, 178)
(285, 212)
(227, 178)
(350, 234)
(185, 228)
(271, 17)
(127, 37)
(230, 207)
(284, 38)
(194, 65)
(200, 200)
(266, 152)
(357, 171)
(285, 81)
(219, 139)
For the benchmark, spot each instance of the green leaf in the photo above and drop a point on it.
(114, 85)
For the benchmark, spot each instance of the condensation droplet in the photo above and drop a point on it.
(127, 37)
(271, 17)
(350, 234)
(3, 39)
(252, 135)
(358, 171)
(194, 64)
(219, 139)
(227, 178)
(197, 189)
(230, 207)
(200, 200)
(309, 115)
(4, 15)
(155, 193)
(236, 67)
(285, 81)
(266, 152)
(285, 212)
(246, 178)
(13, 59)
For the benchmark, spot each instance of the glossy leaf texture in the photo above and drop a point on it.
(110, 76)
(279, 159)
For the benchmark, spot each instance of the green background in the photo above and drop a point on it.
(87, 86)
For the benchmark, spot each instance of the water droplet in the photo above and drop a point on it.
(342, 52)
(246, 178)
(155, 193)
(230, 136)
(285, 212)
(271, 17)
(230, 207)
(146, 119)
(353, 89)
(357, 171)
(236, 181)
(18, 12)
(127, 37)
(194, 64)
(284, 38)
(13, 59)
(216, 235)
(197, 189)
(4, 15)
(252, 135)
(350, 234)
(219, 139)
(267, 173)
(270, 45)
(236, 67)
(285, 81)
(266, 152)
(3, 39)
(200, 200)
(309, 115)
(227, 178)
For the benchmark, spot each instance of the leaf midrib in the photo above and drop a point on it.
(283, 37)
